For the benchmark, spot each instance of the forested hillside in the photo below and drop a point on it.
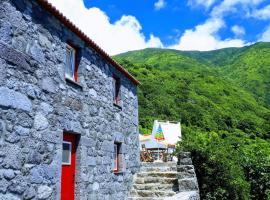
(222, 99)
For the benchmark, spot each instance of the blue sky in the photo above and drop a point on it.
(120, 25)
(166, 23)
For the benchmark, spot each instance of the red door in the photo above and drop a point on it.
(68, 167)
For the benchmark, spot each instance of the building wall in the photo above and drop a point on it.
(37, 105)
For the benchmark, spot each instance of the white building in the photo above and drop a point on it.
(171, 131)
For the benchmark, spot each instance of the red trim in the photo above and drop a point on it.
(51, 9)
(117, 157)
(69, 171)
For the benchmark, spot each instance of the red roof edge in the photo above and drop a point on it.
(64, 20)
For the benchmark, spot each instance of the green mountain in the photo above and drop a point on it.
(222, 100)
(248, 67)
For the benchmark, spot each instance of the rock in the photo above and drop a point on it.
(1, 127)
(19, 43)
(34, 158)
(95, 186)
(44, 192)
(22, 131)
(10, 98)
(107, 146)
(8, 197)
(5, 32)
(37, 52)
(188, 184)
(17, 187)
(191, 195)
(30, 193)
(36, 175)
(46, 108)
(91, 161)
(3, 74)
(14, 159)
(43, 40)
(93, 93)
(33, 92)
(3, 186)
(24, 120)
(15, 57)
(40, 122)
(87, 142)
(48, 85)
(9, 174)
(12, 138)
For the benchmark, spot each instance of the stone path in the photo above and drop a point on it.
(166, 181)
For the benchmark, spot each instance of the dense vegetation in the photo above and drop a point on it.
(222, 99)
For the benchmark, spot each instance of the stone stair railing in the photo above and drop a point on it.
(166, 181)
(187, 180)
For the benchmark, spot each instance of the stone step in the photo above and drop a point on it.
(151, 193)
(190, 195)
(167, 174)
(158, 169)
(145, 198)
(151, 186)
(158, 164)
(159, 180)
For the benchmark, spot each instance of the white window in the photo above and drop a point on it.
(70, 63)
(66, 153)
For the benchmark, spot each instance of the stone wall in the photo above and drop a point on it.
(37, 105)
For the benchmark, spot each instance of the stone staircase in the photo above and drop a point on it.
(155, 181)
(166, 181)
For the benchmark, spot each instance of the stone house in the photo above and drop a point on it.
(68, 111)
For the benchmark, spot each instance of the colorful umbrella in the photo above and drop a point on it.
(159, 136)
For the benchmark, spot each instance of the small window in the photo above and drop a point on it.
(71, 69)
(66, 153)
(116, 90)
(116, 167)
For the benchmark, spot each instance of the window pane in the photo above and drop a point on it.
(115, 157)
(116, 90)
(70, 62)
(66, 154)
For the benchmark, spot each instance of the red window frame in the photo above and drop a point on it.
(76, 64)
(117, 90)
(116, 157)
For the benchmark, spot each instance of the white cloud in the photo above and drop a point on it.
(263, 13)
(265, 37)
(230, 6)
(204, 3)
(121, 36)
(238, 30)
(160, 4)
(204, 37)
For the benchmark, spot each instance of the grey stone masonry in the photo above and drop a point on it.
(37, 105)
